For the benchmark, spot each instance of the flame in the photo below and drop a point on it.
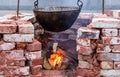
(56, 59)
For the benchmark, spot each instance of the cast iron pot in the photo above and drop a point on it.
(57, 19)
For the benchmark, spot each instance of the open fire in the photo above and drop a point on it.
(57, 58)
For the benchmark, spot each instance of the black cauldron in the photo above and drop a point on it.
(57, 19)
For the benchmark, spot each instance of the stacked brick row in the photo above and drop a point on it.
(87, 62)
(20, 53)
(98, 47)
(108, 50)
(113, 13)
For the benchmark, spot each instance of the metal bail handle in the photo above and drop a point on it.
(80, 4)
(36, 4)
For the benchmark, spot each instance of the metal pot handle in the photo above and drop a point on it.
(36, 4)
(80, 4)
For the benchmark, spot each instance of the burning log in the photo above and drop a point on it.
(57, 59)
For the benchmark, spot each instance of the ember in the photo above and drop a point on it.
(56, 60)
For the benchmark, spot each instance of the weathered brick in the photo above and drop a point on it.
(8, 28)
(101, 48)
(36, 69)
(6, 46)
(19, 71)
(2, 58)
(116, 13)
(18, 37)
(33, 55)
(109, 57)
(116, 65)
(111, 40)
(110, 73)
(38, 75)
(2, 69)
(34, 46)
(85, 32)
(36, 62)
(14, 55)
(106, 65)
(115, 48)
(118, 32)
(21, 45)
(85, 50)
(16, 62)
(53, 73)
(110, 32)
(105, 23)
(108, 13)
(83, 64)
(99, 15)
(84, 73)
(25, 27)
(85, 16)
(83, 41)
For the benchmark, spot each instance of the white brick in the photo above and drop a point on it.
(18, 37)
(110, 73)
(111, 40)
(85, 32)
(7, 46)
(105, 23)
(83, 64)
(110, 32)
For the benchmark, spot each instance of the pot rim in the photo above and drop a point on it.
(56, 9)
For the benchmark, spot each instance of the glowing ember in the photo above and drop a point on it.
(56, 59)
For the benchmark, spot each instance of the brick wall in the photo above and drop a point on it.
(98, 47)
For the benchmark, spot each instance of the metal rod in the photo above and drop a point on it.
(18, 8)
(103, 7)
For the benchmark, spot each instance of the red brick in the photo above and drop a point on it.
(116, 65)
(36, 69)
(106, 65)
(53, 73)
(35, 46)
(85, 50)
(33, 55)
(6, 46)
(17, 71)
(108, 13)
(38, 75)
(21, 45)
(2, 69)
(85, 32)
(18, 37)
(84, 73)
(8, 28)
(101, 48)
(15, 62)
(115, 48)
(25, 27)
(83, 41)
(36, 62)
(2, 58)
